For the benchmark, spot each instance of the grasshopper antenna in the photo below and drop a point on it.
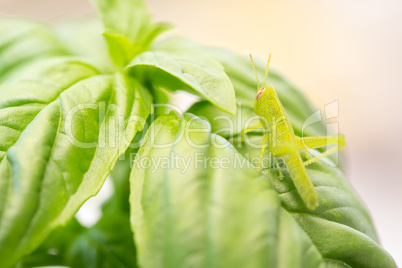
(255, 72)
(266, 70)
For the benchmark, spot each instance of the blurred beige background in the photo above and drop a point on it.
(350, 51)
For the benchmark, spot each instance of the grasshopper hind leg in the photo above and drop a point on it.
(317, 142)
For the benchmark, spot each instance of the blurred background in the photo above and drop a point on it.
(346, 51)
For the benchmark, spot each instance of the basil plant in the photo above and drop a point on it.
(86, 100)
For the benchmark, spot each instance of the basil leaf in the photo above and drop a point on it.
(127, 18)
(205, 215)
(222, 123)
(109, 243)
(24, 42)
(62, 127)
(120, 48)
(128, 28)
(202, 76)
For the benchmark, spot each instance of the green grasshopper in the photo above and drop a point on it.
(281, 141)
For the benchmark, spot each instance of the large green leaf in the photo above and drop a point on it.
(199, 75)
(62, 127)
(109, 243)
(24, 42)
(208, 214)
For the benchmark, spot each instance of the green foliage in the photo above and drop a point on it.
(23, 43)
(209, 216)
(109, 243)
(128, 29)
(340, 227)
(60, 139)
(72, 101)
(199, 76)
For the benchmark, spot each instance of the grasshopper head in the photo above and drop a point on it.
(261, 103)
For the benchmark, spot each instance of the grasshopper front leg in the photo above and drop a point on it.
(248, 129)
(263, 148)
(279, 150)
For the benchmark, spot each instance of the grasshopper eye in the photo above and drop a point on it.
(259, 93)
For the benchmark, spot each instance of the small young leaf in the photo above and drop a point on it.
(127, 18)
(128, 28)
(153, 31)
(120, 48)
